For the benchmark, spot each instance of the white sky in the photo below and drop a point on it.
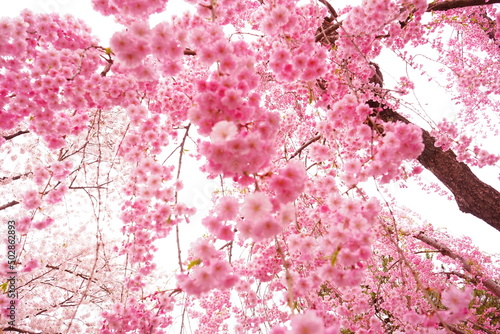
(437, 210)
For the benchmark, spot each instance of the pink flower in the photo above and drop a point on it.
(43, 224)
(266, 228)
(31, 200)
(204, 250)
(41, 174)
(228, 208)
(232, 98)
(223, 131)
(30, 266)
(256, 206)
(213, 224)
(56, 195)
(307, 323)
(280, 15)
(207, 55)
(140, 29)
(225, 232)
(457, 301)
(290, 182)
(278, 330)
(269, 27)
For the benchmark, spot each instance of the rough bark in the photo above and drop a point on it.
(471, 194)
(453, 4)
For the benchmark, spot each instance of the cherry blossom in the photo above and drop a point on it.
(301, 131)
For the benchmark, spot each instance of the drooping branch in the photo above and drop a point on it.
(491, 285)
(471, 194)
(454, 4)
(177, 237)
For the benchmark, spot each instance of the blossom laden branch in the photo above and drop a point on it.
(491, 285)
(471, 194)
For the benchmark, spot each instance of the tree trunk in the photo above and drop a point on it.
(471, 194)
(452, 4)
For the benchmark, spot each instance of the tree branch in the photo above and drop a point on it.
(19, 330)
(454, 4)
(84, 276)
(189, 52)
(13, 178)
(318, 137)
(471, 194)
(491, 285)
(8, 205)
(18, 133)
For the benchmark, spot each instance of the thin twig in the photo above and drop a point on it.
(177, 237)
(318, 137)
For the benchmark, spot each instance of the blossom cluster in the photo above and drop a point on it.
(448, 137)
(209, 270)
(134, 315)
(126, 11)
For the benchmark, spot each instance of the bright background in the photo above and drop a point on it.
(437, 210)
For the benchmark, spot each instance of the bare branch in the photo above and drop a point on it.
(84, 276)
(13, 178)
(179, 257)
(189, 52)
(19, 330)
(109, 61)
(18, 133)
(318, 137)
(330, 8)
(454, 4)
(8, 205)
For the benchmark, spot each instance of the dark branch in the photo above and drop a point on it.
(330, 8)
(85, 277)
(318, 137)
(19, 330)
(15, 134)
(109, 62)
(189, 52)
(454, 4)
(13, 178)
(8, 205)
(471, 194)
